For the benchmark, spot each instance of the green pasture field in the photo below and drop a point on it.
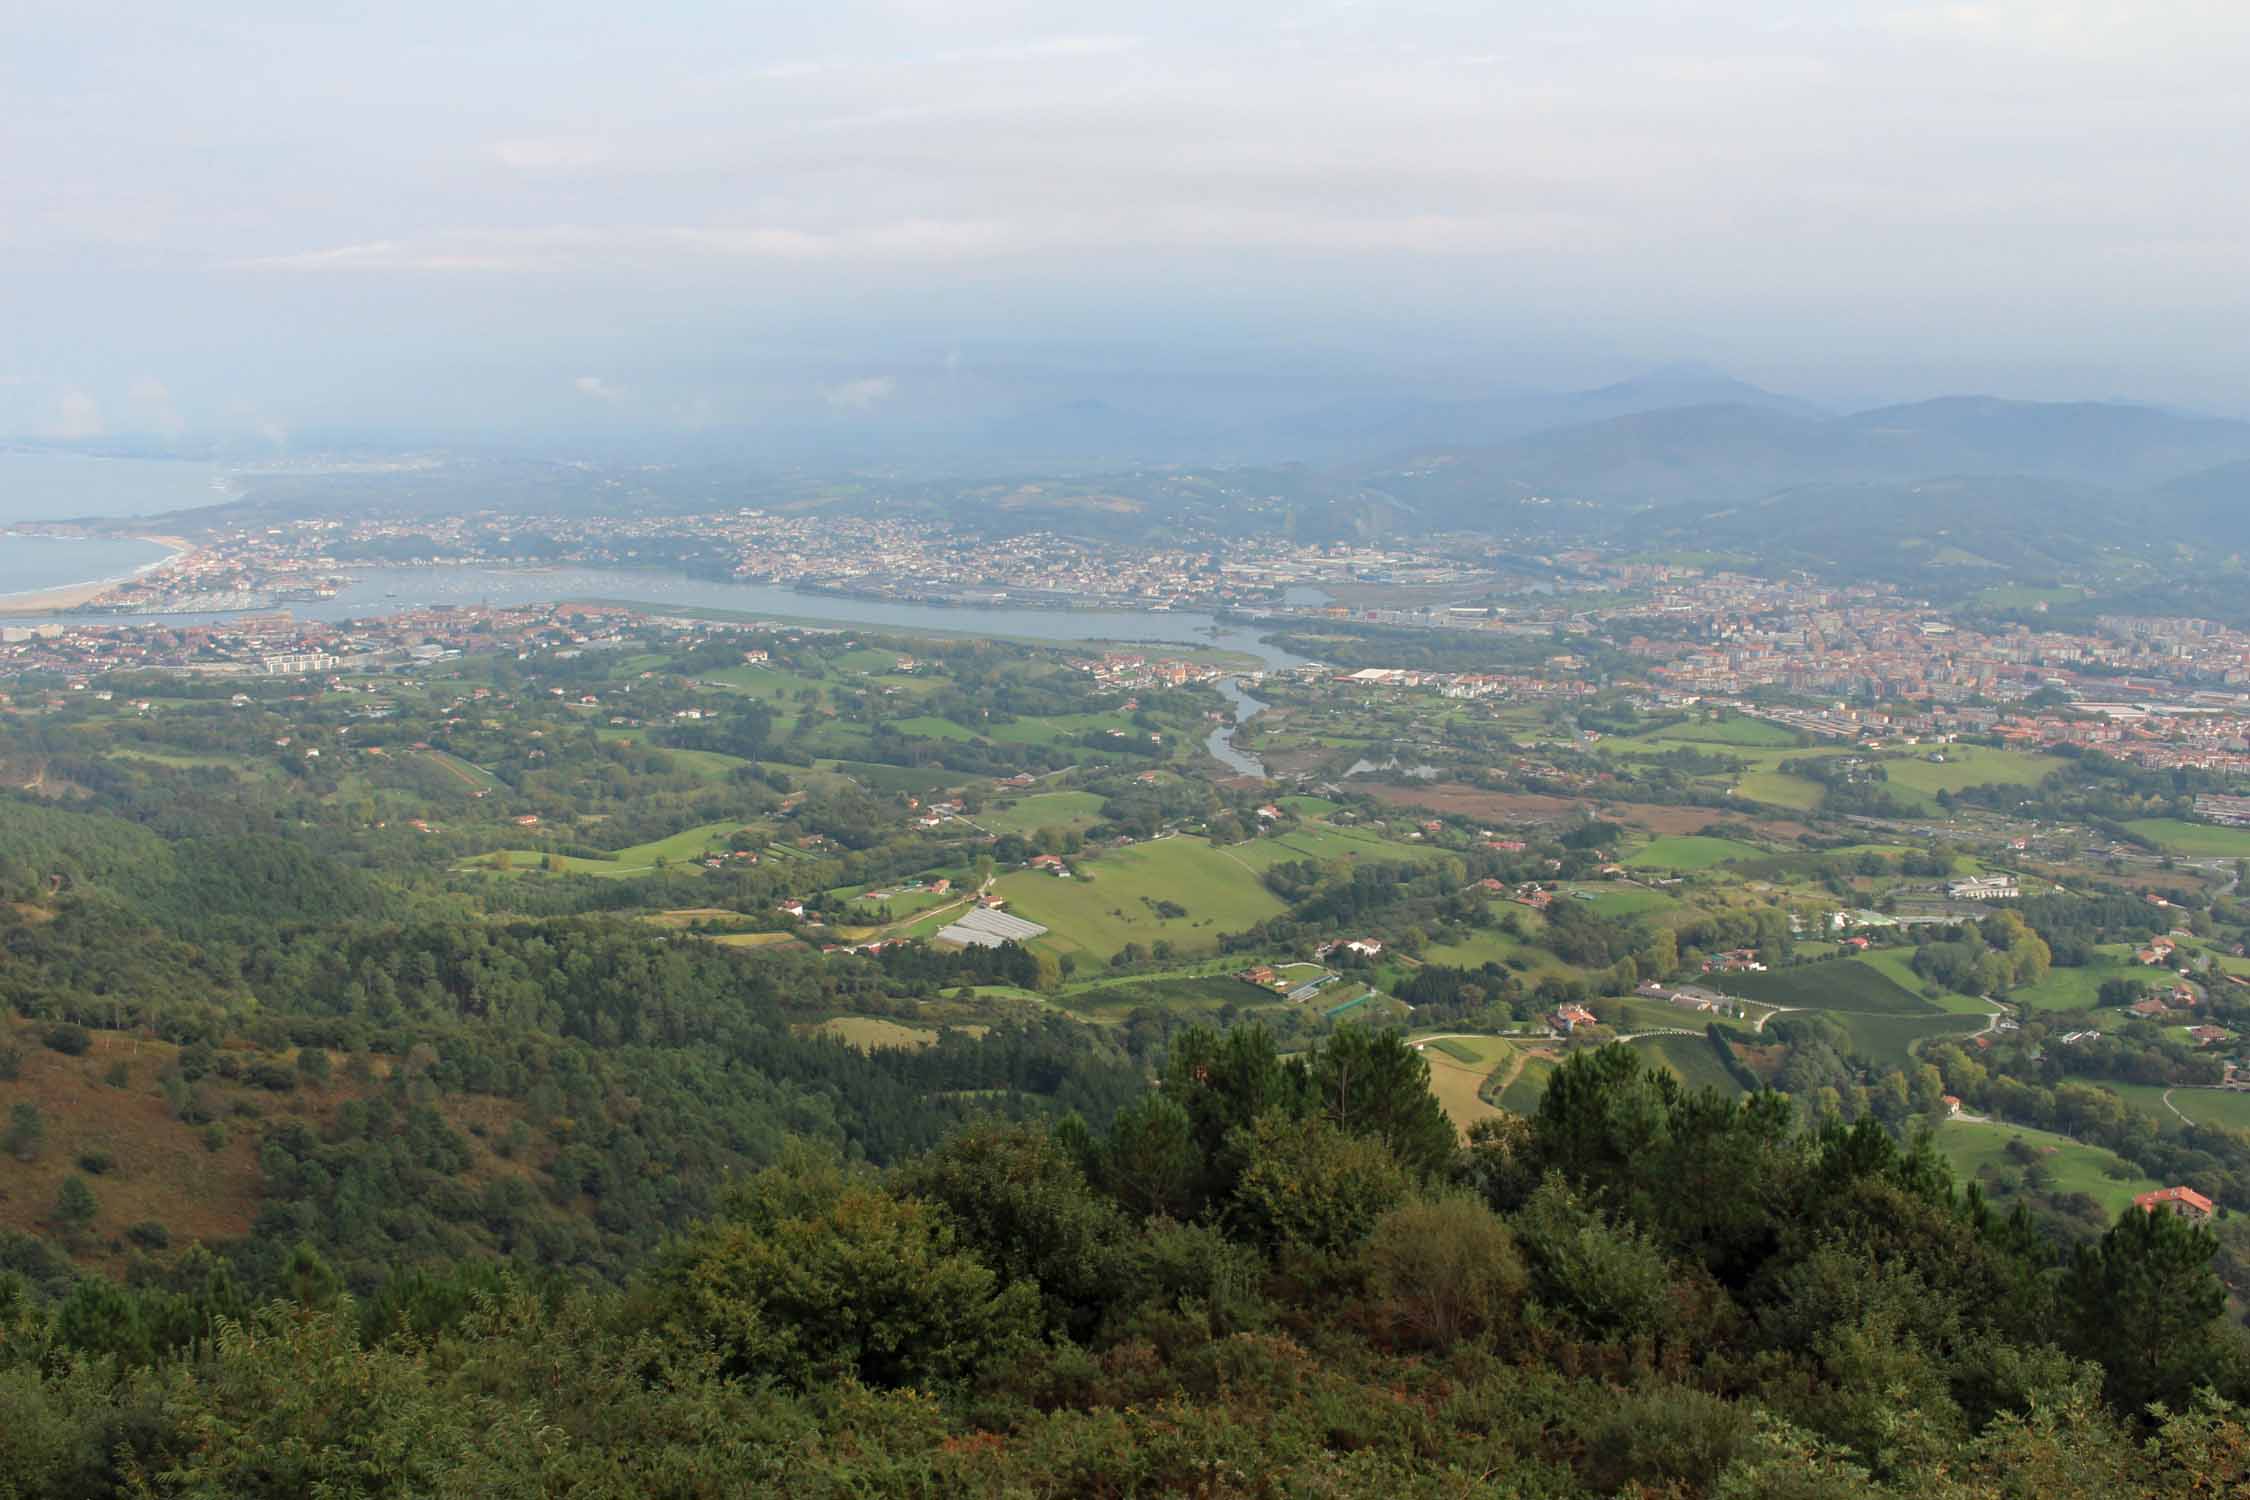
(688, 844)
(2077, 1167)
(2023, 596)
(1309, 807)
(711, 765)
(182, 760)
(761, 682)
(2075, 988)
(869, 1032)
(902, 903)
(1691, 1060)
(1320, 842)
(1487, 946)
(2148, 1098)
(1755, 734)
(2207, 1107)
(1047, 731)
(1482, 1051)
(1778, 789)
(2202, 840)
(1068, 811)
(1530, 1086)
(1967, 765)
(1103, 910)
(1892, 1038)
(1208, 995)
(1626, 901)
(1689, 851)
(1842, 984)
(1894, 963)
(881, 777)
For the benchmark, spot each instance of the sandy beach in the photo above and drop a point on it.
(71, 596)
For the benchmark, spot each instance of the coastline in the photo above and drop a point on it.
(69, 596)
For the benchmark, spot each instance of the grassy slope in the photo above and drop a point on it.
(1103, 911)
(1689, 852)
(2078, 1168)
(1027, 815)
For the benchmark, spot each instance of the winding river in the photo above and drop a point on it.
(1221, 741)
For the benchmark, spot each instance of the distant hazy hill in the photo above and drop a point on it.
(1736, 452)
(1374, 427)
(2213, 505)
(1926, 528)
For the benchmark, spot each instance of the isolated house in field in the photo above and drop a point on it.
(1569, 1018)
(2184, 1201)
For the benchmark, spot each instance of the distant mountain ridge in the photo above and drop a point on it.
(1733, 453)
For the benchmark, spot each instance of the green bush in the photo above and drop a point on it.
(1442, 1271)
(1306, 1187)
(68, 1038)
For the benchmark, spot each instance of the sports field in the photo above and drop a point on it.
(1111, 903)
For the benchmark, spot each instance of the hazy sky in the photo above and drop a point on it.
(290, 213)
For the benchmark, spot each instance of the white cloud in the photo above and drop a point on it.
(1043, 49)
(596, 387)
(77, 415)
(565, 247)
(152, 406)
(551, 153)
(864, 394)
